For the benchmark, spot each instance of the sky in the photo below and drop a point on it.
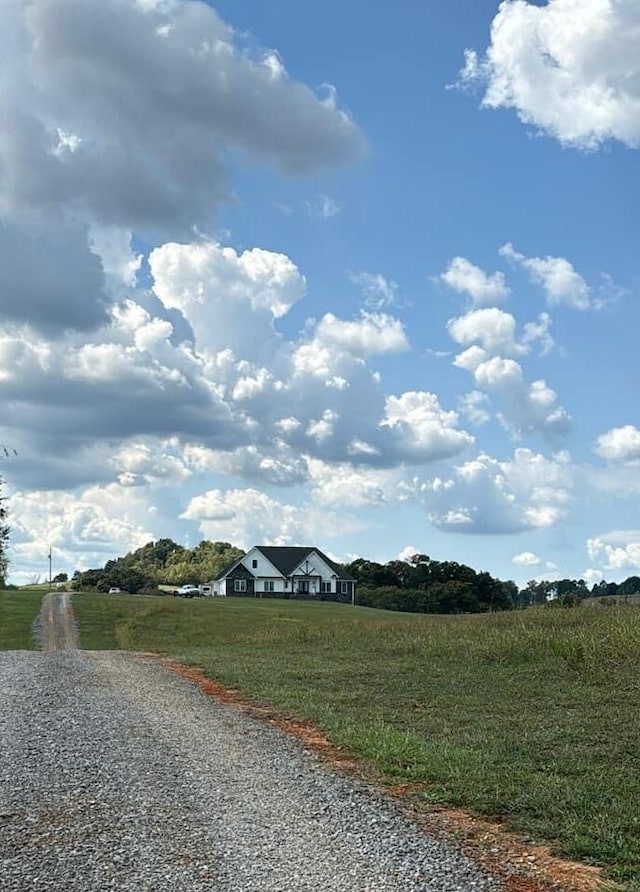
(335, 274)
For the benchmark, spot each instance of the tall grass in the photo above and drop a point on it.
(18, 610)
(532, 716)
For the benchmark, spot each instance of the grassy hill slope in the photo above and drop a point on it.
(533, 715)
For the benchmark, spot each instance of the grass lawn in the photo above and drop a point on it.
(533, 716)
(18, 609)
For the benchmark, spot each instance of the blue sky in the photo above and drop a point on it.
(340, 275)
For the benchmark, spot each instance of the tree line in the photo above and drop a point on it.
(423, 585)
(159, 563)
(420, 585)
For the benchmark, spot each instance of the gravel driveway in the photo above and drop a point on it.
(55, 627)
(118, 774)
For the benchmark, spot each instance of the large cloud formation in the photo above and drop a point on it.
(145, 404)
(122, 111)
(485, 495)
(122, 116)
(570, 67)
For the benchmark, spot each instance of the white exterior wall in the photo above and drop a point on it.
(219, 587)
(264, 568)
(278, 586)
(317, 567)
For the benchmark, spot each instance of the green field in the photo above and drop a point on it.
(533, 716)
(18, 609)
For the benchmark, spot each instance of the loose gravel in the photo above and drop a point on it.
(117, 774)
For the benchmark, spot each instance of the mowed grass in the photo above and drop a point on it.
(18, 609)
(532, 716)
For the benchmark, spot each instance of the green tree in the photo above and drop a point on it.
(538, 591)
(90, 579)
(631, 586)
(4, 539)
(160, 563)
(209, 558)
(372, 574)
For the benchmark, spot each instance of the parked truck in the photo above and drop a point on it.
(187, 591)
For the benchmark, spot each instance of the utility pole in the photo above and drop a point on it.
(49, 567)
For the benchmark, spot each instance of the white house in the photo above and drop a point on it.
(285, 572)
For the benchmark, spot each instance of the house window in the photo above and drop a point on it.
(344, 588)
(325, 587)
(268, 585)
(254, 563)
(239, 585)
(303, 587)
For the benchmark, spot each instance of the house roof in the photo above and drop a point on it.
(286, 558)
(226, 570)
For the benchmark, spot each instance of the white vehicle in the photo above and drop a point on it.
(114, 591)
(188, 591)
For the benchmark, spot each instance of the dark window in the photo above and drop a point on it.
(254, 564)
(239, 585)
(303, 586)
(345, 588)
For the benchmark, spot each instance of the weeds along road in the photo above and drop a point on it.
(118, 774)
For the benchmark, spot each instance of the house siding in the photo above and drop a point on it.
(279, 590)
(264, 569)
(347, 596)
(240, 572)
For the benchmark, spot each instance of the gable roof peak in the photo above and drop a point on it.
(286, 558)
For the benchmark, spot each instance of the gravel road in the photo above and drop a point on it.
(55, 627)
(118, 774)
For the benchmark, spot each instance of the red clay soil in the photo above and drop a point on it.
(519, 865)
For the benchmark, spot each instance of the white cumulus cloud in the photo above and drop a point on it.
(561, 283)
(527, 407)
(248, 516)
(485, 495)
(424, 431)
(620, 444)
(466, 278)
(526, 559)
(82, 528)
(344, 484)
(372, 333)
(569, 67)
(490, 327)
(618, 549)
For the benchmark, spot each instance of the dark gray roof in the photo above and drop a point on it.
(286, 558)
(228, 569)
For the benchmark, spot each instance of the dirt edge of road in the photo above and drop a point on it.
(520, 865)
